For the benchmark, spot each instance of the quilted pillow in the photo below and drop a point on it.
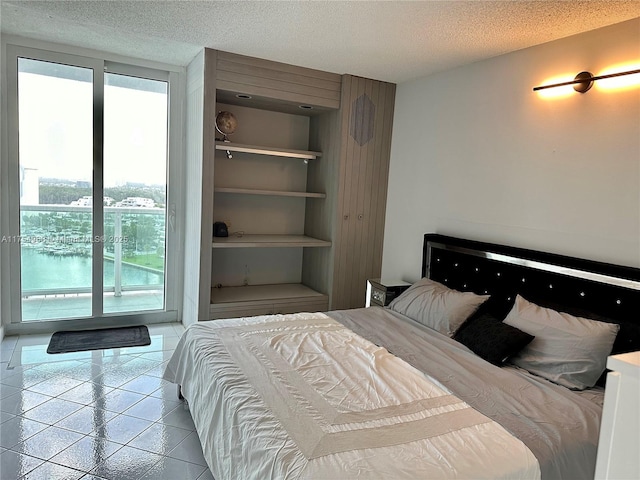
(570, 351)
(491, 339)
(437, 306)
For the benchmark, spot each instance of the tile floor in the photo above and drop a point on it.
(104, 414)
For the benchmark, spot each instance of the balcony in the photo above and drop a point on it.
(56, 259)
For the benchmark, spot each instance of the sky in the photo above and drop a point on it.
(56, 130)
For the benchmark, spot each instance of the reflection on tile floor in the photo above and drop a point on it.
(104, 414)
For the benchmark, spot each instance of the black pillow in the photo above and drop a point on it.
(491, 339)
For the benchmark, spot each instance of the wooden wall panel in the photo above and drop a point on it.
(350, 254)
(367, 116)
(323, 174)
(277, 81)
(353, 172)
(208, 154)
(368, 190)
(351, 124)
(383, 177)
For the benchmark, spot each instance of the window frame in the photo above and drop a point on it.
(99, 62)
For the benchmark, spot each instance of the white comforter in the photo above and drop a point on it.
(301, 396)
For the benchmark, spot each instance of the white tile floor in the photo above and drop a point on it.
(104, 414)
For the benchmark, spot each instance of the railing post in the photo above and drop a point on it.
(117, 255)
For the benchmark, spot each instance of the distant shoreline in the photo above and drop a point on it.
(141, 267)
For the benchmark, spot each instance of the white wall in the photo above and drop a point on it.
(477, 154)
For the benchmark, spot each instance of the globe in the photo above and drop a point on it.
(226, 124)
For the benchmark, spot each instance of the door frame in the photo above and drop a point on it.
(10, 293)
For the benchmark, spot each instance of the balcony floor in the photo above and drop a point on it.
(49, 307)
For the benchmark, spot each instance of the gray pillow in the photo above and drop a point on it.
(437, 306)
(570, 351)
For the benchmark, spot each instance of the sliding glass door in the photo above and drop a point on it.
(92, 143)
(135, 191)
(55, 105)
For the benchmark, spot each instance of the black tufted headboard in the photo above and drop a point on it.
(585, 288)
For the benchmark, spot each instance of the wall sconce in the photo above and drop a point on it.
(584, 81)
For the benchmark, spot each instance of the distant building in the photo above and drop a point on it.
(87, 201)
(29, 186)
(137, 202)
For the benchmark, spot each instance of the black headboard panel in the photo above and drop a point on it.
(586, 288)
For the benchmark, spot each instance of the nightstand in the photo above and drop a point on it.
(380, 291)
(619, 443)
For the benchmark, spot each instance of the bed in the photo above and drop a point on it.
(458, 378)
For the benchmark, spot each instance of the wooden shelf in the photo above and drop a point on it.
(263, 293)
(262, 241)
(279, 193)
(258, 150)
(234, 302)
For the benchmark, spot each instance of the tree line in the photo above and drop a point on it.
(64, 195)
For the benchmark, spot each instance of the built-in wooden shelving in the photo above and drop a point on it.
(259, 293)
(232, 302)
(280, 193)
(268, 241)
(258, 150)
(276, 174)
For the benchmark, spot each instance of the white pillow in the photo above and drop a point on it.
(570, 351)
(437, 306)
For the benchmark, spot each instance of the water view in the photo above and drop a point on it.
(43, 271)
(56, 260)
(56, 248)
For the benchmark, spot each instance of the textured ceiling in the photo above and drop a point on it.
(387, 40)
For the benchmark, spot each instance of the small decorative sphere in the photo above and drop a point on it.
(226, 123)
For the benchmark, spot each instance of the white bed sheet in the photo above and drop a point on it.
(301, 396)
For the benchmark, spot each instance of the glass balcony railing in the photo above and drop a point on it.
(57, 248)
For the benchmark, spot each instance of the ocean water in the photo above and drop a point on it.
(42, 271)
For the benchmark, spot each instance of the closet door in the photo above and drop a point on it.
(367, 117)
